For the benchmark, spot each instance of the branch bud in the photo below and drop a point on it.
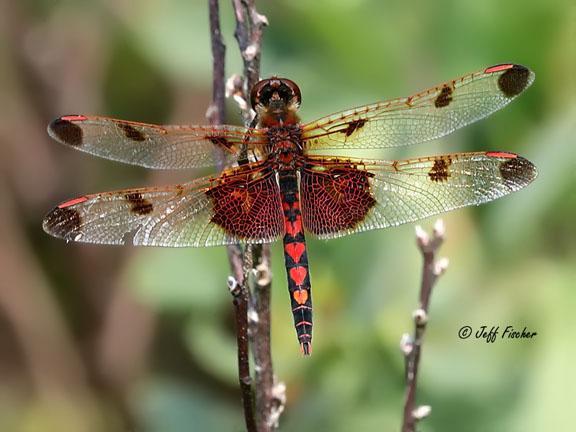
(263, 275)
(420, 316)
(253, 316)
(235, 88)
(422, 237)
(421, 412)
(260, 19)
(439, 228)
(406, 344)
(440, 266)
(250, 52)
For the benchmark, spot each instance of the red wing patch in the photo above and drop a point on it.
(335, 197)
(248, 206)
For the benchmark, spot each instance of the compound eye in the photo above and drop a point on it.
(294, 90)
(259, 93)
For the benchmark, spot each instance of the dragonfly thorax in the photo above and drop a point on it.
(285, 147)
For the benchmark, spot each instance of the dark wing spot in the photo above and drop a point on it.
(514, 80)
(140, 205)
(518, 171)
(63, 223)
(439, 171)
(353, 126)
(128, 236)
(247, 207)
(65, 131)
(444, 98)
(219, 141)
(131, 132)
(335, 200)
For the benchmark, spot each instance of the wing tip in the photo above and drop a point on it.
(63, 222)
(514, 169)
(65, 131)
(513, 79)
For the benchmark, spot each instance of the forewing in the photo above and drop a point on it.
(153, 146)
(341, 197)
(424, 116)
(242, 205)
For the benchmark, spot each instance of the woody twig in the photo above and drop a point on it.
(269, 396)
(237, 281)
(263, 400)
(411, 345)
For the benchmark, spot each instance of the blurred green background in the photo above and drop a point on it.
(117, 339)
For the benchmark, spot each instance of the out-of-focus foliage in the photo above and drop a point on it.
(98, 338)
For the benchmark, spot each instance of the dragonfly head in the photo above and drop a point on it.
(275, 96)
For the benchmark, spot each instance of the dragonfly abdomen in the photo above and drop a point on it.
(296, 260)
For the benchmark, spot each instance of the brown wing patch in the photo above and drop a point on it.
(247, 206)
(139, 205)
(131, 132)
(179, 190)
(63, 222)
(353, 126)
(439, 171)
(444, 98)
(514, 80)
(335, 199)
(66, 131)
(517, 168)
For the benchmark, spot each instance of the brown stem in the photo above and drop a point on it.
(269, 398)
(412, 345)
(248, 33)
(240, 294)
(268, 404)
(236, 282)
(216, 111)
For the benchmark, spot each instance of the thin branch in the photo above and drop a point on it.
(236, 282)
(411, 346)
(269, 397)
(240, 294)
(216, 110)
(249, 28)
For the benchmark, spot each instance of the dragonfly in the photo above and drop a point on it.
(278, 181)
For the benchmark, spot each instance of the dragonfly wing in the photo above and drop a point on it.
(346, 196)
(427, 115)
(152, 146)
(241, 205)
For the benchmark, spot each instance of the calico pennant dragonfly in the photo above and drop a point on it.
(277, 185)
